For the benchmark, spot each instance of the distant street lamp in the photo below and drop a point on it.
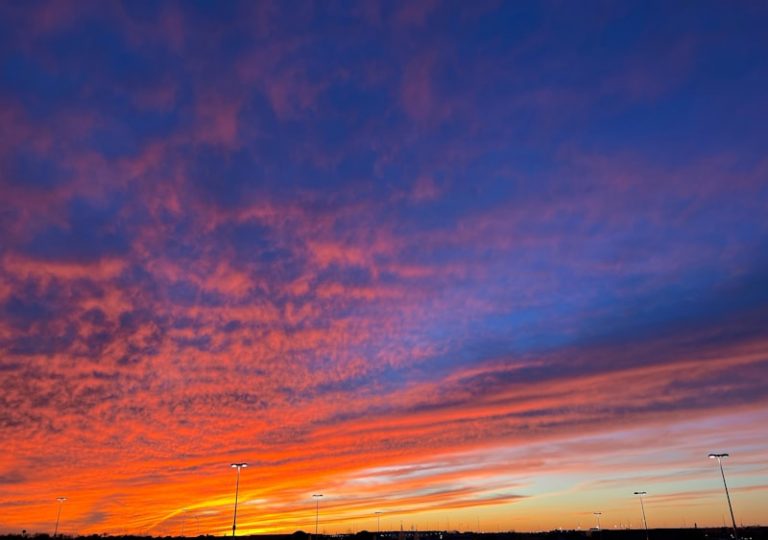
(642, 507)
(378, 524)
(237, 466)
(597, 515)
(719, 458)
(317, 511)
(58, 514)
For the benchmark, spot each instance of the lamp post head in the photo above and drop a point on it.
(641, 493)
(61, 499)
(239, 465)
(718, 456)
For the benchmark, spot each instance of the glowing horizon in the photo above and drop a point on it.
(475, 266)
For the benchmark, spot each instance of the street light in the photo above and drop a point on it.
(237, 466)
(597, 515)
(642, 507)
(378, 523)
(719, 458)
(58, 514)
(317, 511)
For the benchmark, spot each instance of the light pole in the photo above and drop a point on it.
(642, 507)
(597, 515)
(58, 514)
(317, 511)
(378, 524)
(719, 458)
(237, 466)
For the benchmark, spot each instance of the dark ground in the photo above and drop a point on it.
(747, 533)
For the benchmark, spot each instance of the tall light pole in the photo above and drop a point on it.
(719, 458)
(58, 514)
(378, 524)
(642, 507)
(597, 515)
(317, 511)
(237, 466)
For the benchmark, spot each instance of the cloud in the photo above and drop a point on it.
(428, 259)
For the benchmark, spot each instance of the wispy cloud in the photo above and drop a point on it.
(424, 258)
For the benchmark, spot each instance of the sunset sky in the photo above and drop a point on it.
(475, 265)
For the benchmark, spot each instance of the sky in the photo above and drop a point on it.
(474, 265)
